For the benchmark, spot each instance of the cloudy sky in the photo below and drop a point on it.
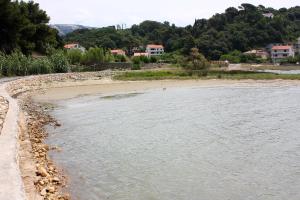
(99, 13)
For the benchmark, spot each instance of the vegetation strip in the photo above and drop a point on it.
(211, 74)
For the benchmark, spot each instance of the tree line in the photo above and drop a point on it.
(24, 26)
(241, 29)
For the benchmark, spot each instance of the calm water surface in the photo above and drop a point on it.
(217, 143)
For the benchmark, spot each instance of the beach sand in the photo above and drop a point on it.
(72, 89)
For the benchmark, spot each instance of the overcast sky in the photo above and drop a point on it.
(99, 13)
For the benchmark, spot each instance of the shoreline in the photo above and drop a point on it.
(70, 89)
(41, 177)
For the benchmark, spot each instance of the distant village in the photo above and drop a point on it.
(276, 52)
(151, 50)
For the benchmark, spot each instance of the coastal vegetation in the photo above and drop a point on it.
(211, 74)
(241, 29)
(18, 64)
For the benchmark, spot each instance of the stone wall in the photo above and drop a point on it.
(101, 67)
(3, 111)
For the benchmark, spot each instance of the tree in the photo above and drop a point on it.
(196, 61)
(24, 26)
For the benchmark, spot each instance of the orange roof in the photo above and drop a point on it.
(155, 46)
(117, 51)
(70, 46)
(281, 47)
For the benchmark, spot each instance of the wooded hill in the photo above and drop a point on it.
(241, 28)
(24, 26)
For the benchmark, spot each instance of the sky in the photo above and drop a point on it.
(100, 13)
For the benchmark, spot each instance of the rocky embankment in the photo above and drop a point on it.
(3, 111)
(42, 178)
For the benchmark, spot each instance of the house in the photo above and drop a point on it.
(258, 53)
(297, 46)
(155, 50)
(268, 15)
(141, 54)
(282, 51)
(118, 52)
(74, 46)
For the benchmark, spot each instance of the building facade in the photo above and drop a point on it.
(118, 52)
(297, 46)
(258, 53)
(281, 52)
(141, 54)
(155, 50)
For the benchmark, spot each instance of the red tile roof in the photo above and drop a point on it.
(117, 51)
(155, 46)
(282, 47)
(70, 46)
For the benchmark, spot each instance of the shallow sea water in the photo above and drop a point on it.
(188, 143)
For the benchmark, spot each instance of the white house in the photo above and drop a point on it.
(280, 52)
(268, 15)
(297, 46)
(74, 46)
(141, 54)
(155, 50)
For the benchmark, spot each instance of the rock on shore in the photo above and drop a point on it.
(3, 111)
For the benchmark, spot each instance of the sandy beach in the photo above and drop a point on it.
(41, 178)
(71, 89)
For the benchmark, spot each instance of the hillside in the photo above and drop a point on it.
(64, 29)
(239, 28)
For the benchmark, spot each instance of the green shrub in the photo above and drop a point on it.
(41, 66)
(120, 58)
(153, 59)
(195, 61)
(144, 59)
(74, 56)
(60, 62)
(15, 64)
(136, 67)
(136, 60)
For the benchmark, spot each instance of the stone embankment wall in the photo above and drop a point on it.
(3, 111)
(32, 83)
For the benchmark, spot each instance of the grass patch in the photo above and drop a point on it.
(212, 74)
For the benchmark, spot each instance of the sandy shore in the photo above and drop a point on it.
(42, 178)
(71, 89)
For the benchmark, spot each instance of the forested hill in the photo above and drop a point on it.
(24, 26)
(239, 28)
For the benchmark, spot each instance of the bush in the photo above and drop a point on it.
(74, 56)
(153, 59)
(15, 64)
(41, 66)
(60, 62)
(144, 59)
(96, 55)
(136, 67)
(195, 61)
(136, 60)
(120, 58)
